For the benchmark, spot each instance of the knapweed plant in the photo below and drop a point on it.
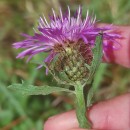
(75, 47)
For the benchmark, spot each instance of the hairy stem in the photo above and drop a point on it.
(81, 107)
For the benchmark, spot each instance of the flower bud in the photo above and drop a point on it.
(72, 60)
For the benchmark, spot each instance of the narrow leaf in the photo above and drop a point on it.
(97, 55)
(35, 90)
(96, 82)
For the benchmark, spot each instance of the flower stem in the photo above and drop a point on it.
(81, 107)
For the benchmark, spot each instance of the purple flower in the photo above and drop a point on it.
(52, 37)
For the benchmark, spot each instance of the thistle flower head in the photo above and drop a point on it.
(70, 38)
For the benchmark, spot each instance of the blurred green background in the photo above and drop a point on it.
(19, 112)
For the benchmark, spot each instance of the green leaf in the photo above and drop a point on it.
(97, 56)
(27, 89)
(96, 82)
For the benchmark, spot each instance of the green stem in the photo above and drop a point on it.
(81, 107)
